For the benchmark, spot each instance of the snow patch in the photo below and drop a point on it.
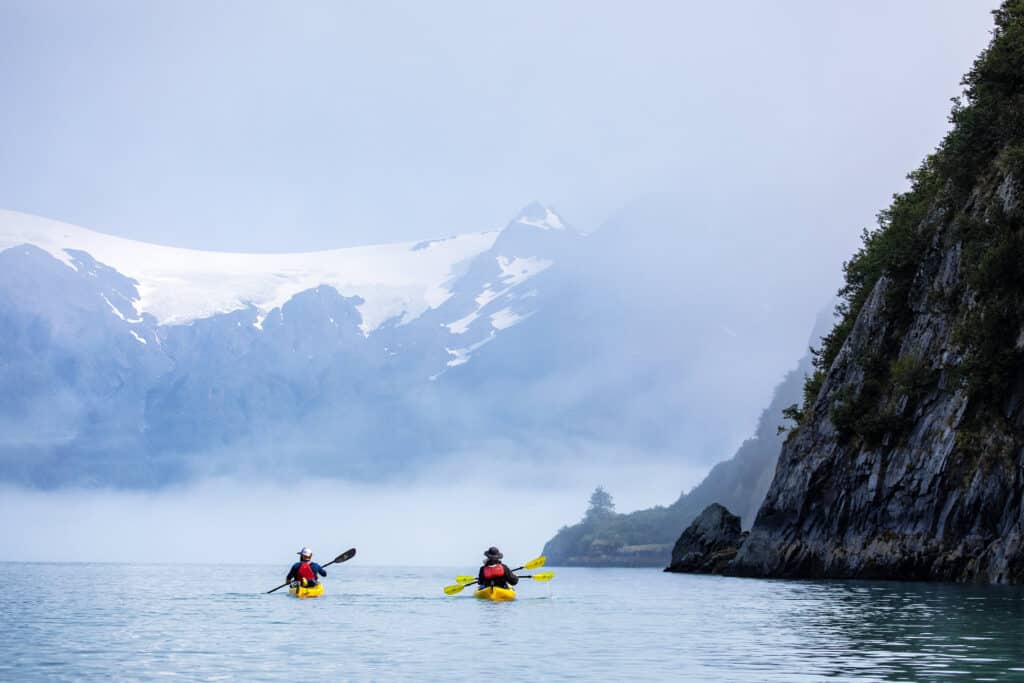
(461, 326)
(137, 337)
(487, 296)
(514, 271)
(506, 318)
(114, 308)
(462, 356)
(517, 270)
(118, 312)
(551, 221)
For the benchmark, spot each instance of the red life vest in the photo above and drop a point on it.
(305, 572)
(494, 571)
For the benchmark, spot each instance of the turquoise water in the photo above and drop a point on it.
(166, 622)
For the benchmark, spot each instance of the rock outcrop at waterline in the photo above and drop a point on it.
(709, 544)
(908, 462)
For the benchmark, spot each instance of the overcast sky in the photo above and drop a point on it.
(264, 126)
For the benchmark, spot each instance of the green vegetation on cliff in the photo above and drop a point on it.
(984, 146)
(908, 460)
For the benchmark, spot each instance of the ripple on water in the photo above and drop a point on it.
(164, 621)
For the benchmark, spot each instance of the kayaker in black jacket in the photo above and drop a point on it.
(494, 572)
(305, 570)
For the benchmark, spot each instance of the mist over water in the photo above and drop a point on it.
(449, 516)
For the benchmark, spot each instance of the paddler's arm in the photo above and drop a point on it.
(512, 578)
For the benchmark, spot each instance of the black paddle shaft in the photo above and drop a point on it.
(344, 557)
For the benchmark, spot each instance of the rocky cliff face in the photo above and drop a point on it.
(936, 497)
(909, 459)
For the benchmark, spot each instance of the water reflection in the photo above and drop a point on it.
(908, 631)
(146, 622)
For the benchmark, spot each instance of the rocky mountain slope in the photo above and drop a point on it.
(645, 537)
(908, 462)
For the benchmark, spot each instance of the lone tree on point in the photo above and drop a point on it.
(601, 504)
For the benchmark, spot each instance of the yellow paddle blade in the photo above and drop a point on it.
(465, 579)
(546, 576)
(533, 564)
(452, 590)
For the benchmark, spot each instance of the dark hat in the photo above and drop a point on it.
(493, 553)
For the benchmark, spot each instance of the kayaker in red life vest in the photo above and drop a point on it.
(305, 571)
(494, 572)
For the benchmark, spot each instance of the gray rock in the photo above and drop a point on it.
(708, 545)
(934, 499)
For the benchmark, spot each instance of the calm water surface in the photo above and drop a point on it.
(160, 622)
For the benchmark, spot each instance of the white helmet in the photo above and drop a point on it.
(305, 552)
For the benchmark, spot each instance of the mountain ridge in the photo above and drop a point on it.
(645, 537)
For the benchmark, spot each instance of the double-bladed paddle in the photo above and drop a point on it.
(344, 557)
(464, 581)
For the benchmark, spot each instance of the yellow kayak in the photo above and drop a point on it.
(307, 592)
(496, 594)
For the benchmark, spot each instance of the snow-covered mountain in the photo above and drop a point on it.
(124, 363)
(121, 358)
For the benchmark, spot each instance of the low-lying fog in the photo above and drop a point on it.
(448, 517)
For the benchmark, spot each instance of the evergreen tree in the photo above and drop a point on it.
(601, 504)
